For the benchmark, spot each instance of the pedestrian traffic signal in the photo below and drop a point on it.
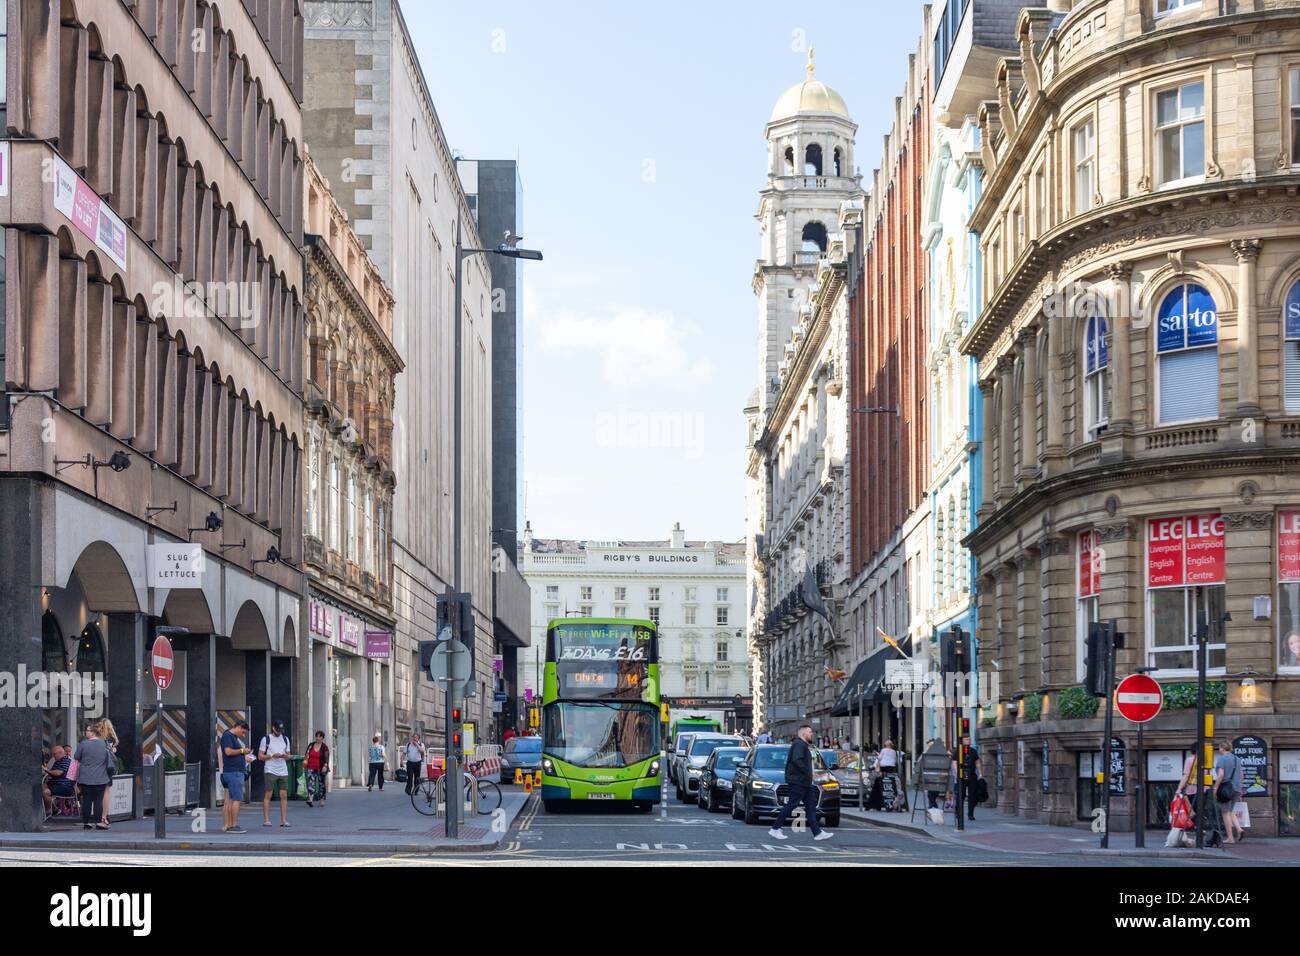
(954, 650)
(1094, 661)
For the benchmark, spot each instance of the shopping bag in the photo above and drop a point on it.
(1180, 814)
(1242, 813)
(935, 815)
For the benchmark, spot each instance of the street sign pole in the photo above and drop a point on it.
(1139, 699)
(959, 748)
(162, 666)
(1108, 668)
(159, 796)
(1198, 802)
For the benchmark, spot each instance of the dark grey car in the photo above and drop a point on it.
(520, 753)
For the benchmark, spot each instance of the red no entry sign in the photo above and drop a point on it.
(1138, 698)
(163, 662)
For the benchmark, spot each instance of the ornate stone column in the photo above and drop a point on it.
(1247, 253)
(1118, 324)
(988, 477)
(1029, 405)
(1007, 427)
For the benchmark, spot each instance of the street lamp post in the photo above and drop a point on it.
(510, 250)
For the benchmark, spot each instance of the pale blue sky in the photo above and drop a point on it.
(639, 132)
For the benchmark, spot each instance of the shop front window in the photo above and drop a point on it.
(1288, 793)
(1288, 590)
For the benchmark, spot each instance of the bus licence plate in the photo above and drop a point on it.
(600, 796)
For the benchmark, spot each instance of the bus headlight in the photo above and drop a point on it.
(548, 768)
(654, 769)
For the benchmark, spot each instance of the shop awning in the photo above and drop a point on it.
(866, 682)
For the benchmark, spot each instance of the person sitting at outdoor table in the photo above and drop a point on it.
(57, 783)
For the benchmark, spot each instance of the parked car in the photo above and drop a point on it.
(520, 753)
(717, 777)
(759, 788)
(843, 765)
(692, 762)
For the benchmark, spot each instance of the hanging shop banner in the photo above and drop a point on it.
(175, 565)
(1185, 550)
(1090, 561)
(379, 645)
(88, 213)
(320, 619)
(350, 630)
(1288, 546)
(1252, 751)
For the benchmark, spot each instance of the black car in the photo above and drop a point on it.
(717, 776)
(759, 788)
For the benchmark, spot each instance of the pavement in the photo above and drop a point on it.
(994, 831)
(352, 820)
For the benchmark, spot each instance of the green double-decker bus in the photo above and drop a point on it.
(600, 712)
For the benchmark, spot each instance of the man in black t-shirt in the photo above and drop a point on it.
(973, 776)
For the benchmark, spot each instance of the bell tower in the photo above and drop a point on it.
(810, 173)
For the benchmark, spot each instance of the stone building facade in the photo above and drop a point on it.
(796, 418)
(151, 417)
(376, 135)
(888, 462)
(351, 365)
(1140, 376)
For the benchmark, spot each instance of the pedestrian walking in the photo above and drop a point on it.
(414, 760)
(974, 774)
(235, 757)
(802, 790)
(1228, 786)
(94, 771)
(763, 737)
(316, 761)
(275, 775)
(378, 757)
(108, 734)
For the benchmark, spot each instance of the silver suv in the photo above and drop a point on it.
(690, 763)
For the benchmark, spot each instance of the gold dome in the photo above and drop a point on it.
(810, 96)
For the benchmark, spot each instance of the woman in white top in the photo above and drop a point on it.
(888, 758)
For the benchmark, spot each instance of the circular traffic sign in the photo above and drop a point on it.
(163, 662)
(1139, 698)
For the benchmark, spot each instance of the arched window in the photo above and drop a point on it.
(90, 651)
(812, 160)
(814, 237)
(1291, 348)
(789, 160)
(839, 161)
(54, 656)
(1096, 378)
(1187, 345)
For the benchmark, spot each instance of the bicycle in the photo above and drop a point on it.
(425, 796)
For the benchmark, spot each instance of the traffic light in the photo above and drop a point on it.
(426, 655)
(954, 650)
(457, 739)
(1094, 661)
(455, 609)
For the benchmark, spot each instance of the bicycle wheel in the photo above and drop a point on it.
(424, 798)
(489, 796)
